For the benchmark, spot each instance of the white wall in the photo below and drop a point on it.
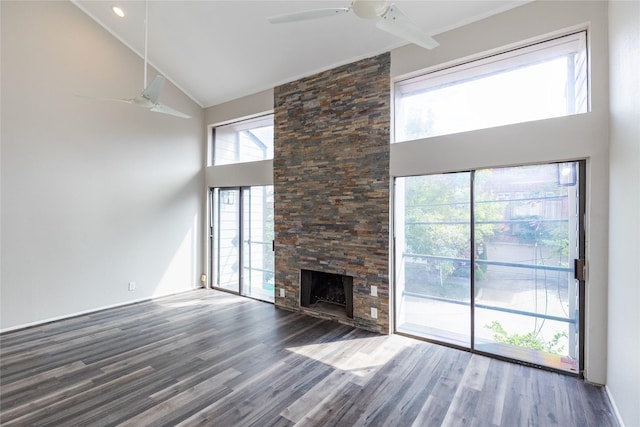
(577, 137)
(242, 108)
(623, 369)
(94, 194)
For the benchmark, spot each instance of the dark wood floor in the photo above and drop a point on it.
(210, 358)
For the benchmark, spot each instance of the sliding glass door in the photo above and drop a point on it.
(521, 298)
(242, 258)
(226, 239)
(258, 277)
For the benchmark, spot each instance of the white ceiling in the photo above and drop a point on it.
(219, 50)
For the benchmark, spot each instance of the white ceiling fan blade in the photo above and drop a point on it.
(152, 92)
(307, 15)
(161, 108)
(396, 23)
(98, 98)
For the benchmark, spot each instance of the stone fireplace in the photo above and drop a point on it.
(331, 188)
(327, 293)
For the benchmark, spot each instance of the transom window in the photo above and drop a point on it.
(244, 141)
(540, 81)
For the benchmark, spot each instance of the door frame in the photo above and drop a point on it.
(579, 276)
(242, 216)
(214, 214)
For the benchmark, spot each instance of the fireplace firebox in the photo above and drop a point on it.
(327, 292)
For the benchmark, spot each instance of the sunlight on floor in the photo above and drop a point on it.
(221, 299)
(360, 357)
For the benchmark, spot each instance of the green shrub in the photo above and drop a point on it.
(528, 340)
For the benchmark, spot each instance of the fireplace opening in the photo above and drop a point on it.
(327, 292)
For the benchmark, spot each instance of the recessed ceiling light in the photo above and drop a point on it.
(118, 11)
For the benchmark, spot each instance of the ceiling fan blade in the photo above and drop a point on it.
(97, 98)
(152, 92)
(307, 15)
(161, 108)
(396, 23)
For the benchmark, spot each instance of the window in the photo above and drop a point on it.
(245, 141)
(540, 81)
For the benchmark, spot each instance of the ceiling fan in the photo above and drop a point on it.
(390, 19)
(148, 98)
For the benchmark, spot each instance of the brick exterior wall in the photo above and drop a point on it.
(331, 181)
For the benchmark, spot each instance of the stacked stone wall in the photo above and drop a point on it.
(331, 179)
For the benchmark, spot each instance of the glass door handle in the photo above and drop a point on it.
(579, 267)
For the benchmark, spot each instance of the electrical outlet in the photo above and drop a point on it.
(374, 291)
(132, 286)
(281, 292)
(374, 312)
(203, 278)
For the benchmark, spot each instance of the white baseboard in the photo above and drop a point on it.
(93, 310)
(614, 407)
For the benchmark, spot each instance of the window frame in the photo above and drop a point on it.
(239, 126)
(511, 58)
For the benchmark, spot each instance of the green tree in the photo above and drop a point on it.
(437, 215)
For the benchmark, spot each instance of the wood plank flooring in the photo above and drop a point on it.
(210, 358)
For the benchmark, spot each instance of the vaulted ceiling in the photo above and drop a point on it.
(218, 50)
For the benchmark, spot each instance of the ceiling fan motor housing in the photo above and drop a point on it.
(369, 9)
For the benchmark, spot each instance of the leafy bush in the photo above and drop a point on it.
(528, 340)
